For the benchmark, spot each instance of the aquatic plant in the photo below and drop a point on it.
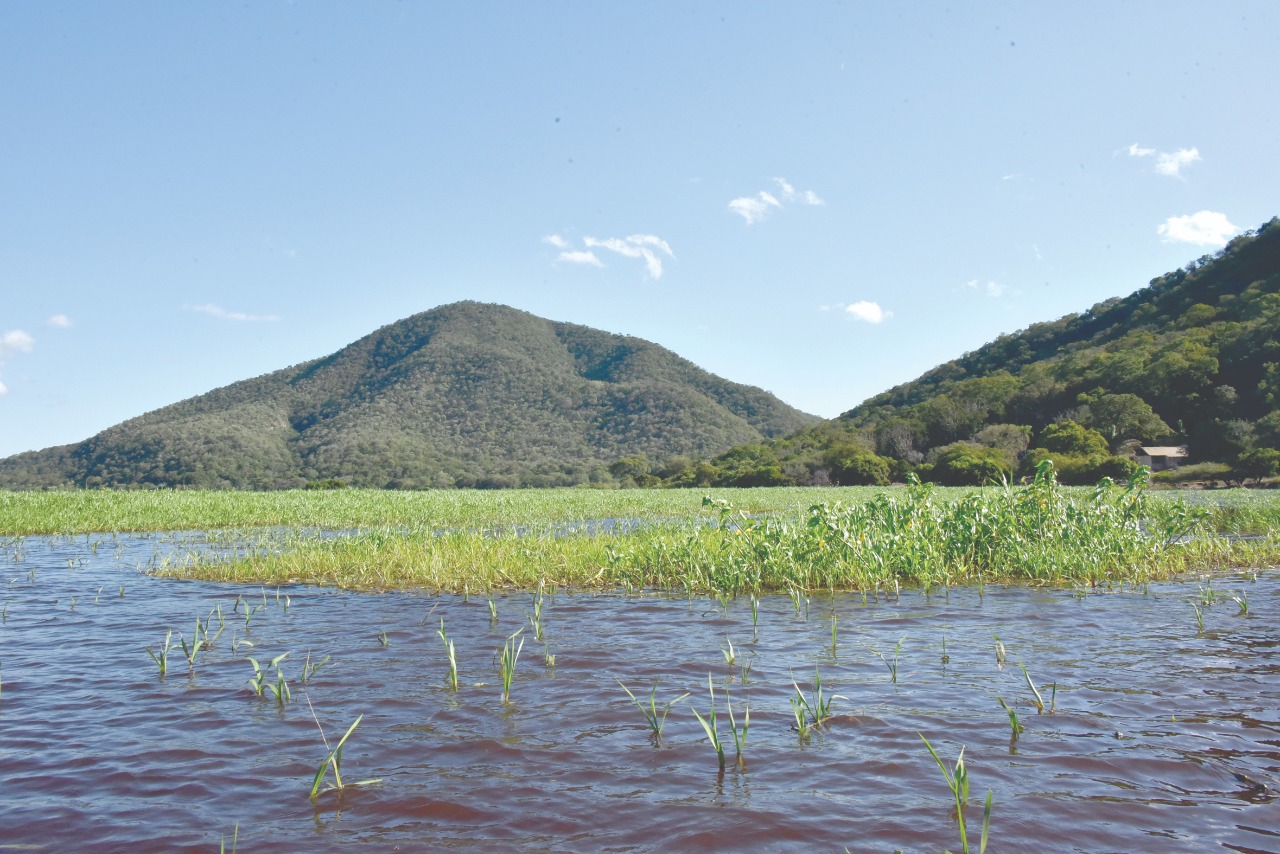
(383, 639)
(892, 665)
(258, 683)
(958, 782)
(333, 761)
(1001, 655)
(509, 655)
(162, 658)
(452, 678)
(493, 611)
(310, 669)
(1034, 689)
(730, 656)
(817, 707)
(1014, 724)
(651, 716)
(712, 729)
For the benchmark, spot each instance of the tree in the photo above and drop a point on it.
(850, 465)
(1257, 464)
(1071, 438)
(1124, 416)
(967, 464)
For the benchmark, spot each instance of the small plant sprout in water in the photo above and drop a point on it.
(383, 638)
(1014, 724)
(652, 717)
(945, 658)
(958, 782)
(834, 623)
(892, 665)
(1001, 655)
(493, 611)
(258, 683)
(1035, 690)
(509, 655)
(712, 730)
(333, 761)
(755, 613)
(451, 679)
(1240, 599)
(1199, 618)
(730, 656)
(816, 708)
(162, 658)
(310, 668)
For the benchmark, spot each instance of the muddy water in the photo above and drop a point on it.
(1164, 739)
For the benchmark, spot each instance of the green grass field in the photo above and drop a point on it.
(725, 541)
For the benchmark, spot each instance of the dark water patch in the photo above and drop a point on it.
(1164, 738)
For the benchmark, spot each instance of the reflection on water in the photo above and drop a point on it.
(1164, 738)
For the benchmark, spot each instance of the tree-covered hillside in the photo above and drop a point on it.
(463, 395)
(1192, 359)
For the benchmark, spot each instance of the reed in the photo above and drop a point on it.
(310, 669)
(1034, 690)
(652, 717)
(712, 729)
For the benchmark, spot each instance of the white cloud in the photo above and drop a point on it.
(755, 208)
(991, 289)
(16, 341)
(61, 321)
(1204, 228)
(556, 240)
(223, 314)
(580, 256)
(1171, 162)
(1168, 163)
(636, 246)
(869, 311)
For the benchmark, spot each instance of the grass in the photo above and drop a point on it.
(508, 656)
(918, 536)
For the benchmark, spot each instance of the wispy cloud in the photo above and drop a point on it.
(864, 310)
(238, 316)
(580, 256)
(755, 208)
(1168, 163)
(59, 321)
(991, 289)
(648, 247)
(13, 341)
(1204, 228)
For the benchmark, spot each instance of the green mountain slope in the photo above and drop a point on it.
(1193, 358)
(465, 394)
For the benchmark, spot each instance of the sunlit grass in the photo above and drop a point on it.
(919, 536)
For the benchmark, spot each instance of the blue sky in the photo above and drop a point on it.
(823, 201)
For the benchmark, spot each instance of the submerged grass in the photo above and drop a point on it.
(1039, 533)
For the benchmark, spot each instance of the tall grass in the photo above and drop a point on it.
(1039, 533)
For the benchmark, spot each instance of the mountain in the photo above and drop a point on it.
(466, 394)
(1193, 358)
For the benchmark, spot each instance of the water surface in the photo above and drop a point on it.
(1164, 738)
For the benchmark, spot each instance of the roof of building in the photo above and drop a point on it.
(1163, 450)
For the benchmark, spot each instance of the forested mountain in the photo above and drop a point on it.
(1192, 359)
(462, 395)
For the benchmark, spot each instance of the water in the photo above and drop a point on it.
(1164, 739)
